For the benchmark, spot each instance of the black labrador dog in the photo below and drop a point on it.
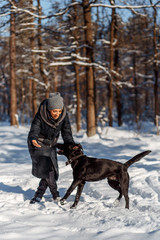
(94, 169)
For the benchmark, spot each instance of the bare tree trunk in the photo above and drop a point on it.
(22, 101)
(78, 112)
(83, 85)
(135, 89)
(155, 63)
(13, 100)
(30, 97)
(75, 34)
(32, 83)
(146, 72)
(91, 118)
(30, 108)
(40, 44)
(56, 79)
(116, 63)
(110, 87)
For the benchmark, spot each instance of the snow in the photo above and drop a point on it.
(96, 216)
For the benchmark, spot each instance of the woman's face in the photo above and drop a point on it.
(55, 113)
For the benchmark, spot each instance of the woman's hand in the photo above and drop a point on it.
(34, 142)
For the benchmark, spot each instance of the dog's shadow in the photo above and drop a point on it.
(17, 190)
(71, 198)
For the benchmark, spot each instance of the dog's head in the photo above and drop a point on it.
(70, 150)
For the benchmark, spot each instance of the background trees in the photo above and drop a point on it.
(103, 58)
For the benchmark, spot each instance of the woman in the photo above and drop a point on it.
(50, 120)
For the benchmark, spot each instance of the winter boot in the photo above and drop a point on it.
(35, 199)
(40, 191)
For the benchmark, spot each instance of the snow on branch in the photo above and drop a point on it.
(116, 74)
(64, 10)
(108, 42)
(28, 24)
(16, 9)
(5, 14)
(105, 41)
(41, 57)
(22, 71)
(121, 84)
(61, 12)
(79, 57)
(63, 58)
(55, 64)
(81, 63)
(39, 82)
(56, 49)
(125, 6)
(131, 7)
(38, 51)
(144, 76)
(27, 29)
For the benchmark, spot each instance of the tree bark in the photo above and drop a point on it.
(155, 63)
(91, 118)
(13, 97)
(116, 64)
(135, 89)
(110, 87)
(33, 84)
(40, 44)
(56, 79)
(77, 84)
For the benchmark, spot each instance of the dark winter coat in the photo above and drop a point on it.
(46, 131)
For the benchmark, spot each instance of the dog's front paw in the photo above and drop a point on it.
(73, 206)
(63, 202)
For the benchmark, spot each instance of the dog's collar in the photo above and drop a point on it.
(74, 158)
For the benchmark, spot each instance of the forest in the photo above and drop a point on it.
(103, 56)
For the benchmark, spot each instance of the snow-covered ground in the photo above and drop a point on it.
(96, 217)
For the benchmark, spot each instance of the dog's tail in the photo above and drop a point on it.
(136, 158)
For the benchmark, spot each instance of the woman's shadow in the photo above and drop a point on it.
(18, 190)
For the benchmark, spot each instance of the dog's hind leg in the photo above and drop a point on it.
(115, 185)
(69, 191)
(125, 193)
(124, 187)
(78, 194)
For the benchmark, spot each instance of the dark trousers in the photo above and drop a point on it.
(49, 182)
